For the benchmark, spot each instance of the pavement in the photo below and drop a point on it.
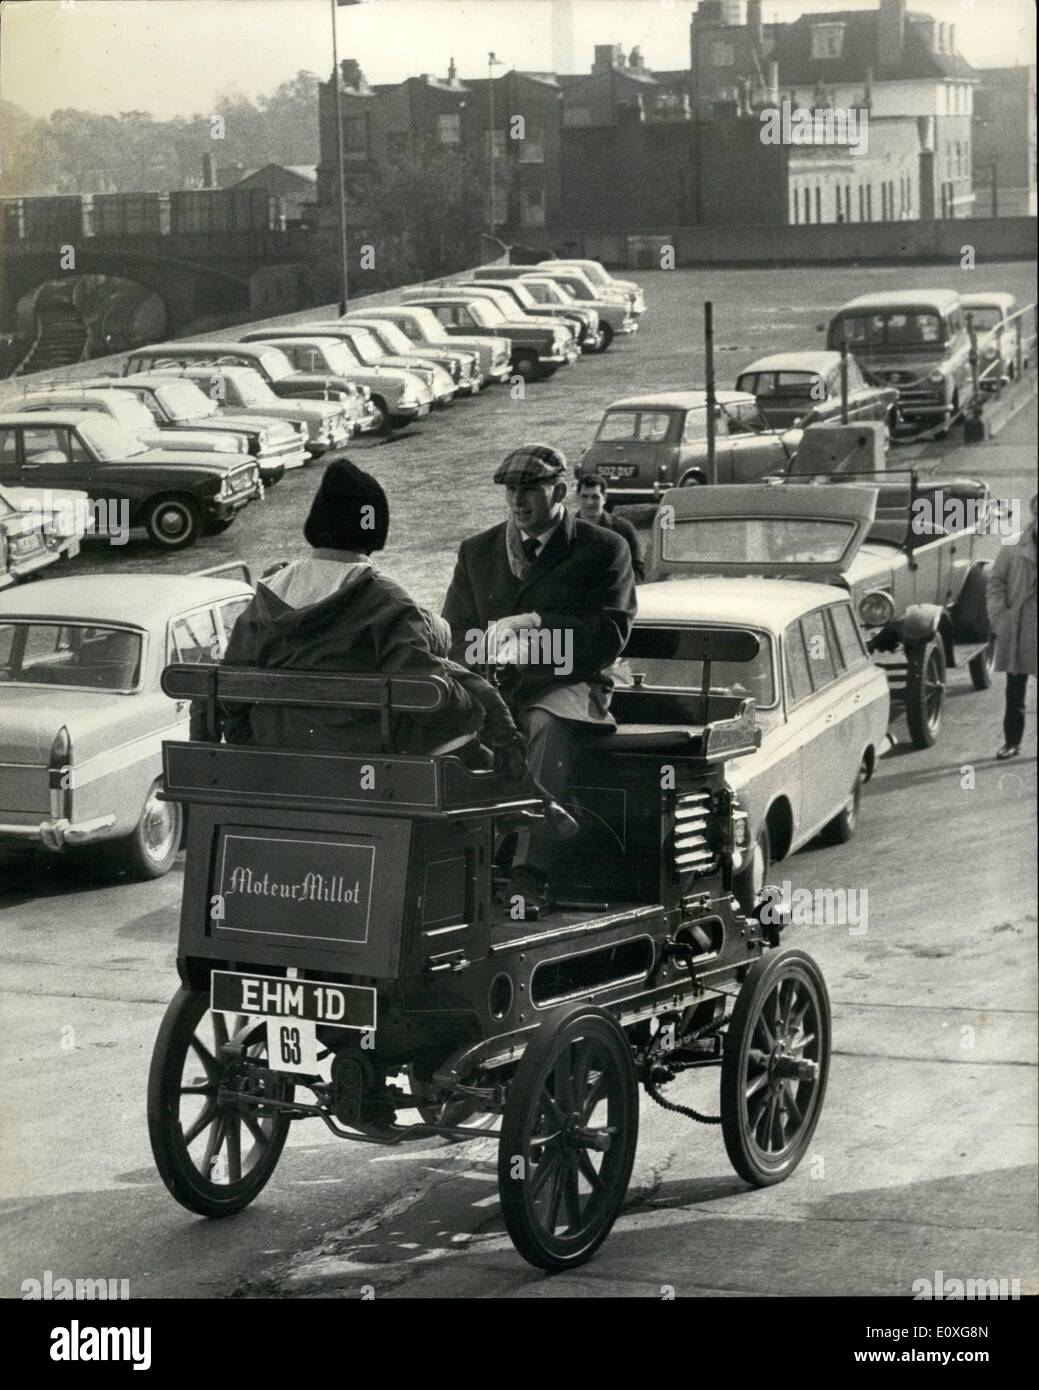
(925, 1155)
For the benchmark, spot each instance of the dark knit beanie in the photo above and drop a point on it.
(349, 510)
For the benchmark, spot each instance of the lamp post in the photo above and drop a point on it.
(492, 62)
(344, 277)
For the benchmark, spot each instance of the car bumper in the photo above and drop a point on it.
(411, 412)
(591, 342)
(56, 834)
(628, 326)
(617, 492)
(19, 569)
(924, 409)
(220, 508)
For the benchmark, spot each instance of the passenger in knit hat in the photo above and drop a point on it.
(349, 511)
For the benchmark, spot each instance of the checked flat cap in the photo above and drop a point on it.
(531, 463)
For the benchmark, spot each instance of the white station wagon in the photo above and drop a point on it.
(82, 717)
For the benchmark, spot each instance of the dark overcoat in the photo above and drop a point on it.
(581, 583)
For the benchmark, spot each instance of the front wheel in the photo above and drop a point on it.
(775, 1065)
(215, 1156)
(606, 336)
(568, 1138)
(982, 667)
(173, 522)
(844, 824)
(525, 365)
(925, 693)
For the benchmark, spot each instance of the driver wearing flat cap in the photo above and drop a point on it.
(548, 599)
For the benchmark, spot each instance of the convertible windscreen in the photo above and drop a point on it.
(766, 540)
(657, 659)
(98, 658)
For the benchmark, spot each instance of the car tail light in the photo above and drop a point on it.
(59, 774)
(876, 609)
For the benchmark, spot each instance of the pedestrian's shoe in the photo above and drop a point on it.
(528, 898)
(1009, 750)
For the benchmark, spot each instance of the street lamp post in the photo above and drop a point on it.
(492, 62)
(344, 277)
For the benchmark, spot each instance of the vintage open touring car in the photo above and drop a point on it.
(342, 956)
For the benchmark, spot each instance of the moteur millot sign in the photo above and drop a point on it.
(294, 885)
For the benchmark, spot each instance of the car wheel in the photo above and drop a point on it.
(152, 847)
(751, 879)
(844, 824)
(605, 336)
(925, 693)
(173, 522)
(982, 666)
(525, 365)
(383, 423)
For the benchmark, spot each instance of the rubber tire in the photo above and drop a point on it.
(844, 824)
(525, 366)
(922, 734)
(191, 512)
(386, 424)
(969, 614)
(523, 1098)
(183, 1180)
(759, 981)
(130, 852)
(606, 337)
(743, 886)
(982, 668)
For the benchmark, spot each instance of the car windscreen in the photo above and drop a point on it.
(131, 413)
(783, 385)
(888, 329)
(252, 389)
(650, 426)
(666, 666)
(364, 347)
(109, 440)
(984, 316)
(390, 337)
(182, 400)
(766, 540)
(485, 312)
(69, 654)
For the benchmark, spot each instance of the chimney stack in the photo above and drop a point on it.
(891, 24)
(353, 77)
(608, 57)
(452, 73)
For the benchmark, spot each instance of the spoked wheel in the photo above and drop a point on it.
(214, 1157)
(925, 693)
(775, 1065)
(982, 667)
(568, 1138)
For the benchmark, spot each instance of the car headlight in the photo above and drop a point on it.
(936, 376)
(740, 830)
(991, 352)
(876, 609)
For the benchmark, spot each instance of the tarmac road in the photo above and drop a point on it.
(923, 1159)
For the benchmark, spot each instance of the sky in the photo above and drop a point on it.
(175, 57)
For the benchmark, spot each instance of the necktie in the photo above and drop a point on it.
(530, 549)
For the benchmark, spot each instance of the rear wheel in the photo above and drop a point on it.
(775, 1066)
(214, 1156)
(525, 365)
(173, 522)
(925, 693)
(568, 1138)
(150, 850)
(982, 667)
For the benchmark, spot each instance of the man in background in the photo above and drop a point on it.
(591, 501)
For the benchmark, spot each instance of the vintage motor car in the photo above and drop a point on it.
(461, 364)
(584, 320)
(176, 496)
(821, 704)
(38, 528)
(343, 958)
(797, 389)
(364, 352)
(241, 390)
(915, 340)
(906, 552)
(273, 366)
(647, 444)
(536, 351)
(424, 329)
(601, 279)
(994, 318)
(573, 287)
(509, 305)
(82, 715)
(398, 396)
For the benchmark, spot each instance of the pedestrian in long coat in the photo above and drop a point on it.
(1011, 598)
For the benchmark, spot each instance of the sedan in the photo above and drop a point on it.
(424, 329)
(802, 388)
(993, 316)
(462, 364)
(820, 702)
(37, 528)
(82, 715)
